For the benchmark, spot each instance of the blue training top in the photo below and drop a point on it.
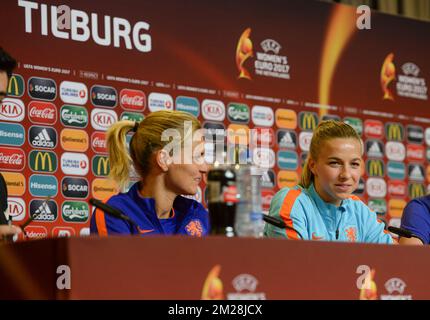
(416, 218)
(189, 217)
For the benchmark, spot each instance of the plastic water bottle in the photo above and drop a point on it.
(249, 217)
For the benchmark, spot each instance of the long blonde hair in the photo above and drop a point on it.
(326, 130)
(145, 141)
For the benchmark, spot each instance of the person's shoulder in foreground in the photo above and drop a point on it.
(416, 219)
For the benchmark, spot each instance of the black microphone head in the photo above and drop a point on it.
(3, 200)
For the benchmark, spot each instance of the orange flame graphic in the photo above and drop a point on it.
(388, 74)
(369, 290)
(243, 52)
(213, 287)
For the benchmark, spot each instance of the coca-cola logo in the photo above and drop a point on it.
(266, 199)
(42, 112)
(262, 136)
(98, 142)
(12, 159)
(397, 188)
(132, 99)
(415, 152)
(373, 129)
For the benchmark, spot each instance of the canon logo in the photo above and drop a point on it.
(79, 25)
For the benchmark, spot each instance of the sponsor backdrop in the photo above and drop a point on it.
(278, 67)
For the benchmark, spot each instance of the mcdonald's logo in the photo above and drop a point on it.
(416, 190)
(308, 120)
(375, 168)
(43, 161)
(16, 86)
(101, 166)
(394, 131)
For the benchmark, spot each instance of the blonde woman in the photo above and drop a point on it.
(322, 206)
(155, 203)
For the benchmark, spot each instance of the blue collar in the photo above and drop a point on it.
(325, 207)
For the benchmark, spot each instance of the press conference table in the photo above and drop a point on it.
(179, 267)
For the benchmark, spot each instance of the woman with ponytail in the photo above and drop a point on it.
(322, 206)
(170, 163)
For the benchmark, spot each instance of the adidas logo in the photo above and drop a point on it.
(43, 140)
(287, 140)
(416, 174)
(44, 213)
(374, 150)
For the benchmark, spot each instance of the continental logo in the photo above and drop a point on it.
(287, 179)
(43, 161)
(101, 166)
(15, 183)
(394, 131)
(103, 189)
(74, 140)
(16, 86)
(395, 207)
(308, 120)
(375, 168)
(416, 190)
(286, 119)
(238, 134)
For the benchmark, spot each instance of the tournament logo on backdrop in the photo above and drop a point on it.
(42, 137)
(376, 187)
(44, 210)
(134, 100)
(16, 208)
(388, 74)
(73, 187)
(188, 104)
(238, 112)
(42, 88)
(63, 232)
(74, 116)
(73, 92)
(408, 84)
(41, 185)
(305, 138)
(42, 112)
(267, 63)
(75, 211)
(159, 101)
(395, 151)
(103, 96)
(287, 139)
(16, 86)
(43, 161)
(374, 148)
(308, 121)
(102, 119)
(12, 159)
(415, 134)
(213, 110)
(12, 110)
(12, 134)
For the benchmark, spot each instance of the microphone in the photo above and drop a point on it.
(402, 232)
(279, 223)
(114, 212)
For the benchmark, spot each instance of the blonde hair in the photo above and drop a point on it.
(145, 141)
(326, 130)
